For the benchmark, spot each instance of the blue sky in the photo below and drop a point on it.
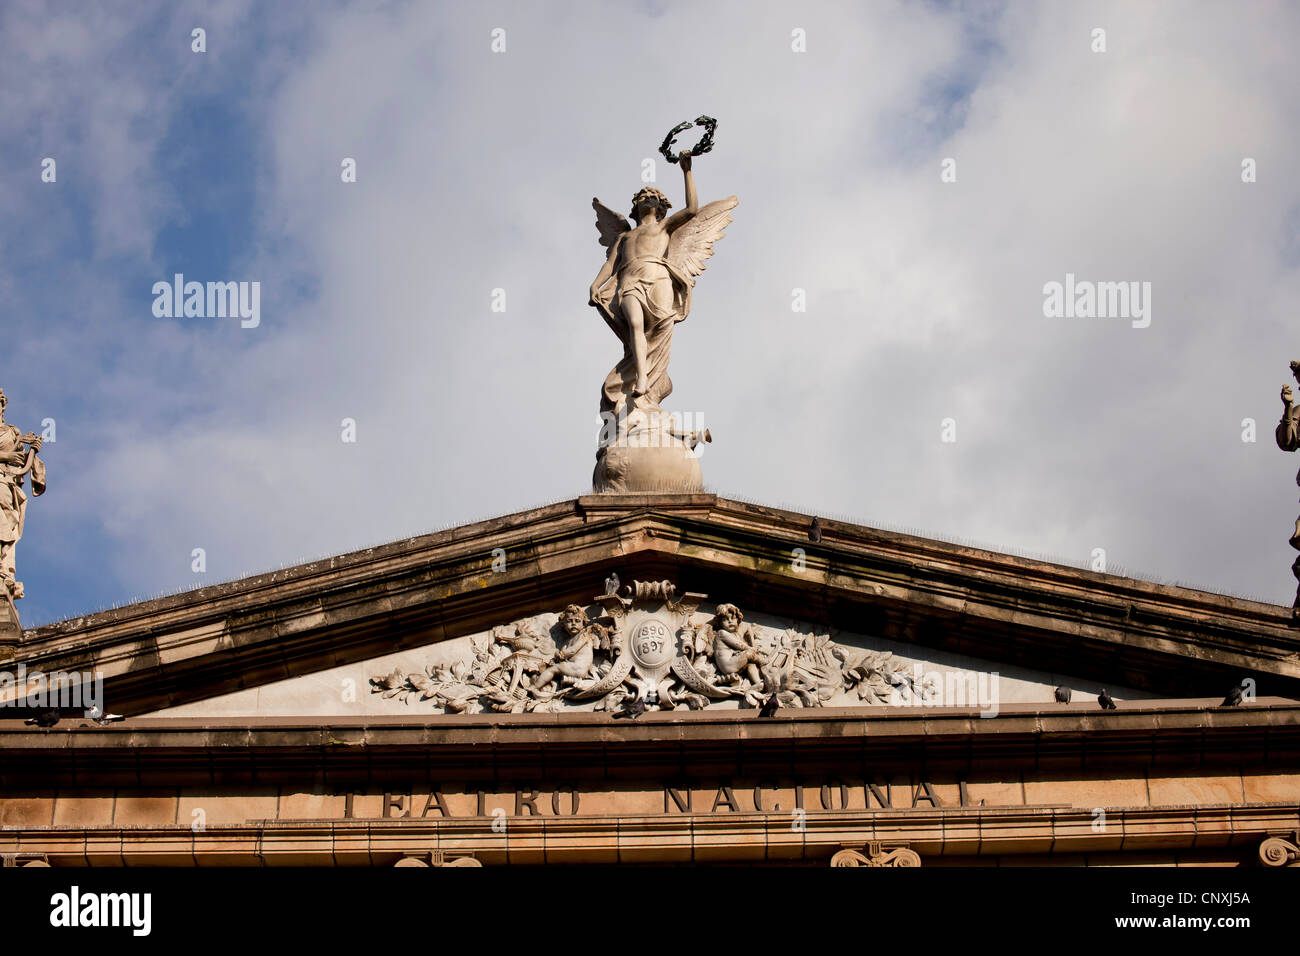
(475, 172)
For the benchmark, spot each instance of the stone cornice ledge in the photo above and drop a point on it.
(437, 586)
(1267, 731)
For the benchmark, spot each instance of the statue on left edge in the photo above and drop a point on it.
(18, 459)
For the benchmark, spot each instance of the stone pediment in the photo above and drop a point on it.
(433, 606)
(645, 647)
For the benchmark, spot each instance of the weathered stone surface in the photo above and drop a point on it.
(84, 808)
(1271, 787)
(1196, 790)
(308, 779)
(150, 806)
(22, 810)
(11, 630)
(1116, 631)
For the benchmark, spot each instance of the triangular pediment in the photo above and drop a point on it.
(426, 609)
(534, 665)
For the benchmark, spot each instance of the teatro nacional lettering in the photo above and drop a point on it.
(748, 797)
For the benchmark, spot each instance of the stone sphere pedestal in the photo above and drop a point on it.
(647, 453)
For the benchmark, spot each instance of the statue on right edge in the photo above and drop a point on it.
(1288, 439)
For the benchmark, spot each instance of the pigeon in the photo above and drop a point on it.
(46, 718)
(1062, 695)
(815, 532)
(633, 709)
(98, 716)
(770, 707)
(1104, 699)
(611, 585)
(1234, 696)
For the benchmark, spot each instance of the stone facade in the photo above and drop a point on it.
(406, 706)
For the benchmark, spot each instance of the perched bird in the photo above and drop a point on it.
(633, 709)
(98, 716)
(815, 532)
(1234, 696)
(1062, 695)
(46, 718)
(770, 707)
(611, 585)
(1104, 699)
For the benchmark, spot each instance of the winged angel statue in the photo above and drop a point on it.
(644, 288)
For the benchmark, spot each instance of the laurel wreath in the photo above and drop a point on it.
(699, 149)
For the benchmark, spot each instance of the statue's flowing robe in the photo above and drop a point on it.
(1288, 433)
(664, 304)
(13, 500)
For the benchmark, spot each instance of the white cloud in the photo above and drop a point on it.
(476, 172)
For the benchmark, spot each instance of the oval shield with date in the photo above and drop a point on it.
(653, 644)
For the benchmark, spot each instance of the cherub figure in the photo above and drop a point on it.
(644, 287)
(576, 659)
(735, 650)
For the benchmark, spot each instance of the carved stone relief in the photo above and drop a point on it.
(648, 642)
(1281, 851)
(877, 854)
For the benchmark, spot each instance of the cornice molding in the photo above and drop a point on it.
(418, 591)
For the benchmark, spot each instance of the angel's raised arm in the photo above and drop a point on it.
(683, 216)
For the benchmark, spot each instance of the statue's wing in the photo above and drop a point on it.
(693, 243)
(610, 223)
(704, 638)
